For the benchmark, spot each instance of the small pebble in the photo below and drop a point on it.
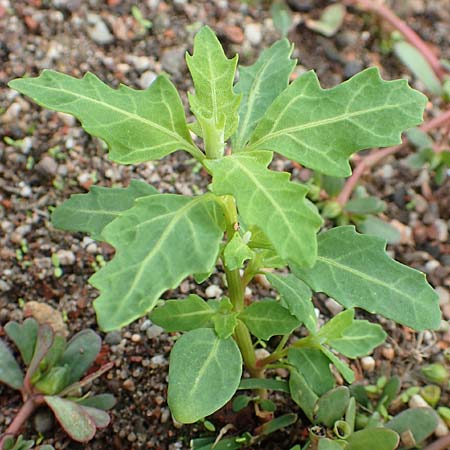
(66, 257)
(43, 421)
(136, 338)
(154, 331)
(213, 291)
(261, 353)
(442, 429)
(146, 79)
(368, 363)
(145, 325)
(129, 385)
(417, 401)
(98, 31)
(253, 33)
(47, 166)
(165, 415)
(113, 338)
(333, 306)
(158, 360)
(388, 353)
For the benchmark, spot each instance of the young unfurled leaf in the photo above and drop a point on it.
(213, 76)
(183, 315)
(80, 353)
(73, 418)
(236, 253)
(24, 337)
(355, 270)
(270, 201)
(343, 369)
(260, 84)
(159, 241)
(302, 394)
(331, 406)
(359, 339)
(321, 128)
(10, 371)
(330, 20)
(93, 211)
(296, 297)
(335, 327)
(138, 126)
(204, 374)
(225, 323)
(314, 366)
(100, 401)
(268, 318)
(44, 342)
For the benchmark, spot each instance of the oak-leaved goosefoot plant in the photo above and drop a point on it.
(253, 220)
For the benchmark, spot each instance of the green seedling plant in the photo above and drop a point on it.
(251, 221)
(57, 372)
(19, 443)
(362, 210)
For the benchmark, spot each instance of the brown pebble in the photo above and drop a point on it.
(129, 385)
(233, 33)
(388, 353)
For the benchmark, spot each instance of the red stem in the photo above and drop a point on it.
(410, 35)
(376, 155)
(441, 444)
(22, 416)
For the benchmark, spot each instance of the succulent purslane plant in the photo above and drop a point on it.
(57, 371)
(253, 220)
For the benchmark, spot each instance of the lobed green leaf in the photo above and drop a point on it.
(91, 212)
(159, 241)
(260, 84)
(213, 76)
(355, 270)
(322, 128)
(270, 201)
(138, 126)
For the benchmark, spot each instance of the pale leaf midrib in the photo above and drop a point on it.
(318, 123)
(254, 90)
(134, 116)
(203, 368)
(362, 275)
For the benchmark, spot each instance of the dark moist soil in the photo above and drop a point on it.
(47, 157)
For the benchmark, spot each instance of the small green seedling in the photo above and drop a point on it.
(19, 443)
(252, 221)
(55, 376)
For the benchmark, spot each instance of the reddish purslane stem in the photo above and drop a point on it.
(410, 35)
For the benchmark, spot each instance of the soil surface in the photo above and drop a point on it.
(46, 156)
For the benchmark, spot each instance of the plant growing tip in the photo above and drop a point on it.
(54, 376)
(252, 219)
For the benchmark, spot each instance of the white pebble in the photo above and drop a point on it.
(417, 401)
(213, 291)
(66, 257)
(368, 364)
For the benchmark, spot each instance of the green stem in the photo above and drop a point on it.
(213, 138)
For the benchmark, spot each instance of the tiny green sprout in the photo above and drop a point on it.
(55, 376)
(57, 270)
(143, 22)
(251, 221)
(436, 373)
